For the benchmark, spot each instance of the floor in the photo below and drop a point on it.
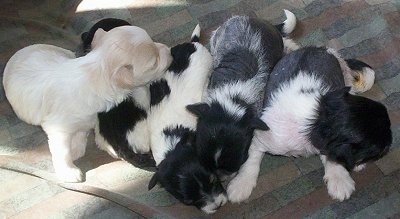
(287, 188)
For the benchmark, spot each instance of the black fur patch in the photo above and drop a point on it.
(181, 57)
(158, 90)
(356, 65)
(113, 126)
(350, 129)
(87, 37)
(177, 131)
(308, 61)
(195, 39)
(307, 90)
(182, 175)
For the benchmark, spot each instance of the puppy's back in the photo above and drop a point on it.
(257, 36)
(315, 61)
(26, 76)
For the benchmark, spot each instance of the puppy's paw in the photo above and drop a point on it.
(68, 174)
(360, 167)
(340, 187)
(240, 188)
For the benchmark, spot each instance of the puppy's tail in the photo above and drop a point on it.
(288, 25)
(363, 76)
(196, 34)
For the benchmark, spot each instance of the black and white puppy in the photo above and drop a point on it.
(244, 51)
(123, 130)
(87, 37)
(172, 127)
(309, 110)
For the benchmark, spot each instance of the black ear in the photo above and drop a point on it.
(343, 155)
(153, 181)
(259, 124)
(198, 109)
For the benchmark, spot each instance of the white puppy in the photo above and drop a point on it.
(46, 85)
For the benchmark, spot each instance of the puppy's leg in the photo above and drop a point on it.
(240, 187)
(338, 180)
(78, 145)
(60, 148)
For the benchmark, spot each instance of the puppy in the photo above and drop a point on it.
(87, 37)
(123, 132)
(244, 52)
(310, 111)
(179, 169)
(48, 86)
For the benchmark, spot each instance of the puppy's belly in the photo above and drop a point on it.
(286, 136)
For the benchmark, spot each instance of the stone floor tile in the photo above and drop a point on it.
(294, 190)
(389, 162)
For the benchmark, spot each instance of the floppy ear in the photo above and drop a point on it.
(198, 109)
(97, 36)
(343, 154)
(153, 181)
(259, 124)
(123, 77)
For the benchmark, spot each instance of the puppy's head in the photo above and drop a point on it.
(182, 175)
(223, 139)
(129, 56)
(351, 129)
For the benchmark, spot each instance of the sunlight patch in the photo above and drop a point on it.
(91, 5)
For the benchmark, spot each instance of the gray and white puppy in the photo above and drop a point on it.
(244, 51)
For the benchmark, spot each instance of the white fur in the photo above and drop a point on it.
(242, 89)
(196, 31)
(289, 45)
(211, 207)
(290, 22)
(287, 126)
(186, 89)
(338, 180)
(360, 167)
(46, 85)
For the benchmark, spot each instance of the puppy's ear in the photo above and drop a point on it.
(98, 35)
(123, 77)
(259, 124)
(343, 154)
(153, 181)
(198, 109)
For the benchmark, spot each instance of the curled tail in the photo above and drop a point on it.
(196, 34)
(286, 28)
(288, 25)
(363, 76)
